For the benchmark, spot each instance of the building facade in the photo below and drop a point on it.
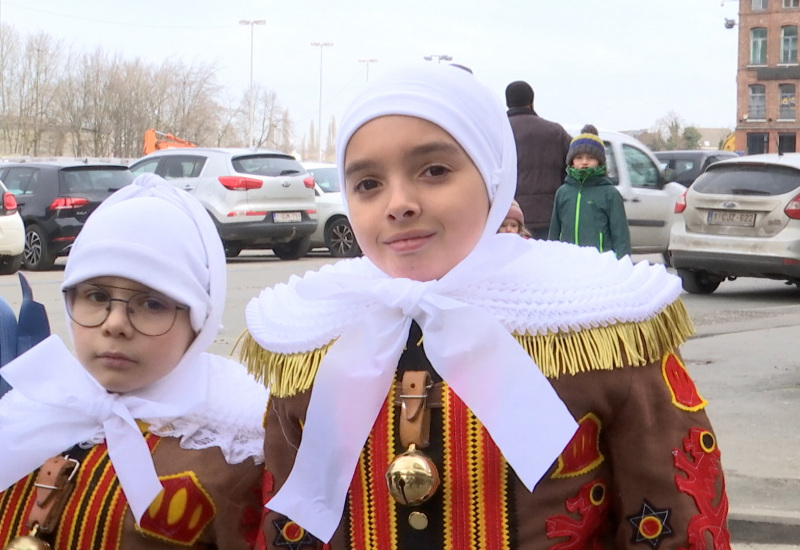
(768, 76)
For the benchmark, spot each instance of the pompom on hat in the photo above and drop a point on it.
(589, 143)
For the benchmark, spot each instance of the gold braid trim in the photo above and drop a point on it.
(557, 354)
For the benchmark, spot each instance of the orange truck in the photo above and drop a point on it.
(155, 141)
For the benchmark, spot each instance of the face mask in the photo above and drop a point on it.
(583, 174)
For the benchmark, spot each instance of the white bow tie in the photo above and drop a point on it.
(477, 357)
(73, 407)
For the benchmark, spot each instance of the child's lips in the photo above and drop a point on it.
(116, 359)
(409, 241)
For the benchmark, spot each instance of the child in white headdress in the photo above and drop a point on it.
(457, 388)
(141, 439)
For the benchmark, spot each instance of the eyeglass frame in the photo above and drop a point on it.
(69, 306)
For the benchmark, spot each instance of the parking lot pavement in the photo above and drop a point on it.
(751, 379)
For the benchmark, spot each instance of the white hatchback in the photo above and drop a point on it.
(12, 234)
(741, 218)
(649, 198)
(333, 231)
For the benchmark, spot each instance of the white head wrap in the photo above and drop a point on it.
(454, 100)
(156, 235)
(470, 349)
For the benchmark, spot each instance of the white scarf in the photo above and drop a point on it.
(161, 237)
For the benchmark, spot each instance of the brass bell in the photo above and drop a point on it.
(28, 542)
(412, 477)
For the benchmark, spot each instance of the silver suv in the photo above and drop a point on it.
(257, 198)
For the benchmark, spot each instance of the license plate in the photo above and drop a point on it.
(721, 217)
(286, 217)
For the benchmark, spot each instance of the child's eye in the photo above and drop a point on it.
(367, 185)
(151, 303)
(436, 170)
(94, 295)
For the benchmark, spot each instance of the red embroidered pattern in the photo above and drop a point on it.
(592, 505)
(267, 487)
(701, 464)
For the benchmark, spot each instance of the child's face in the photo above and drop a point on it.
(509, 226)
(119, 357)
(418, 204)
(584, 161)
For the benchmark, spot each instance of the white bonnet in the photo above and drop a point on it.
(159, 236)
(456, 101)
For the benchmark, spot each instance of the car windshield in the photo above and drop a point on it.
(267, 165)
(747, 179)
(327, 179)
(87, 179)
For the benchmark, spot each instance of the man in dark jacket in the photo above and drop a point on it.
(541, 158)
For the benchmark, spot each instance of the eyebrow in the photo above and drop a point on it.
(417, 151)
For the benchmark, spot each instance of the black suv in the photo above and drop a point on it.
(685, 166)
(54, 199)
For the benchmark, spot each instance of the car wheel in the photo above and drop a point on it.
(232, 249)
(36, 256)
(340, 240)
(293, 249)
(10, 264)
(698, 282)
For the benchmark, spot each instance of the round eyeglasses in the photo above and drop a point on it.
(149, 313)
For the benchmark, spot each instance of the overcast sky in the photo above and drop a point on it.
(619, 64)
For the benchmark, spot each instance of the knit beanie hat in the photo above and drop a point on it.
(519, 94)
(588, 142)
(515, 213)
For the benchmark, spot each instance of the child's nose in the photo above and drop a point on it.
(118, 320)
(402, 201)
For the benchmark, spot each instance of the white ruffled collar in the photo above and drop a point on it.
(555, 287)
(524, 286)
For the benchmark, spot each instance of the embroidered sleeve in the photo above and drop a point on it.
(666, 463)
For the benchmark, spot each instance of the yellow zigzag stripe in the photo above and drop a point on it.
(556, 354)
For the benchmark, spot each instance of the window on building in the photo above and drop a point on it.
(758, 102)
(758, 46)
(759, 5)
(787, 102)
(789, 44)
(791, 3)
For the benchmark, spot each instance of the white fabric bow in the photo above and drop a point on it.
(70, 407)
(477, 357)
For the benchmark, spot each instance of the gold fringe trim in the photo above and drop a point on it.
(557, 354)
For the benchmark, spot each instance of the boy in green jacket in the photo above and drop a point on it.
(588, 210)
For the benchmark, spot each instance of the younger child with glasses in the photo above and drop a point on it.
(141, 439)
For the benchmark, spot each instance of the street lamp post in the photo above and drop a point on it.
(368, 61)
(321, 46)
(251, 23)
(438, 58)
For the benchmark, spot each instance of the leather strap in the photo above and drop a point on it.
(54, 484)
(415, 415)
(434, 400)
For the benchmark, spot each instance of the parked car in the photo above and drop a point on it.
(685, 166)
(333, 231)
(257, 198)
(54, 200)
(12, 233)
(740, 218)
(649, 197)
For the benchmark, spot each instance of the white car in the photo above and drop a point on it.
(257, 198)
(741, 218)
(649, 198)
(12, 234)
(333, 231)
